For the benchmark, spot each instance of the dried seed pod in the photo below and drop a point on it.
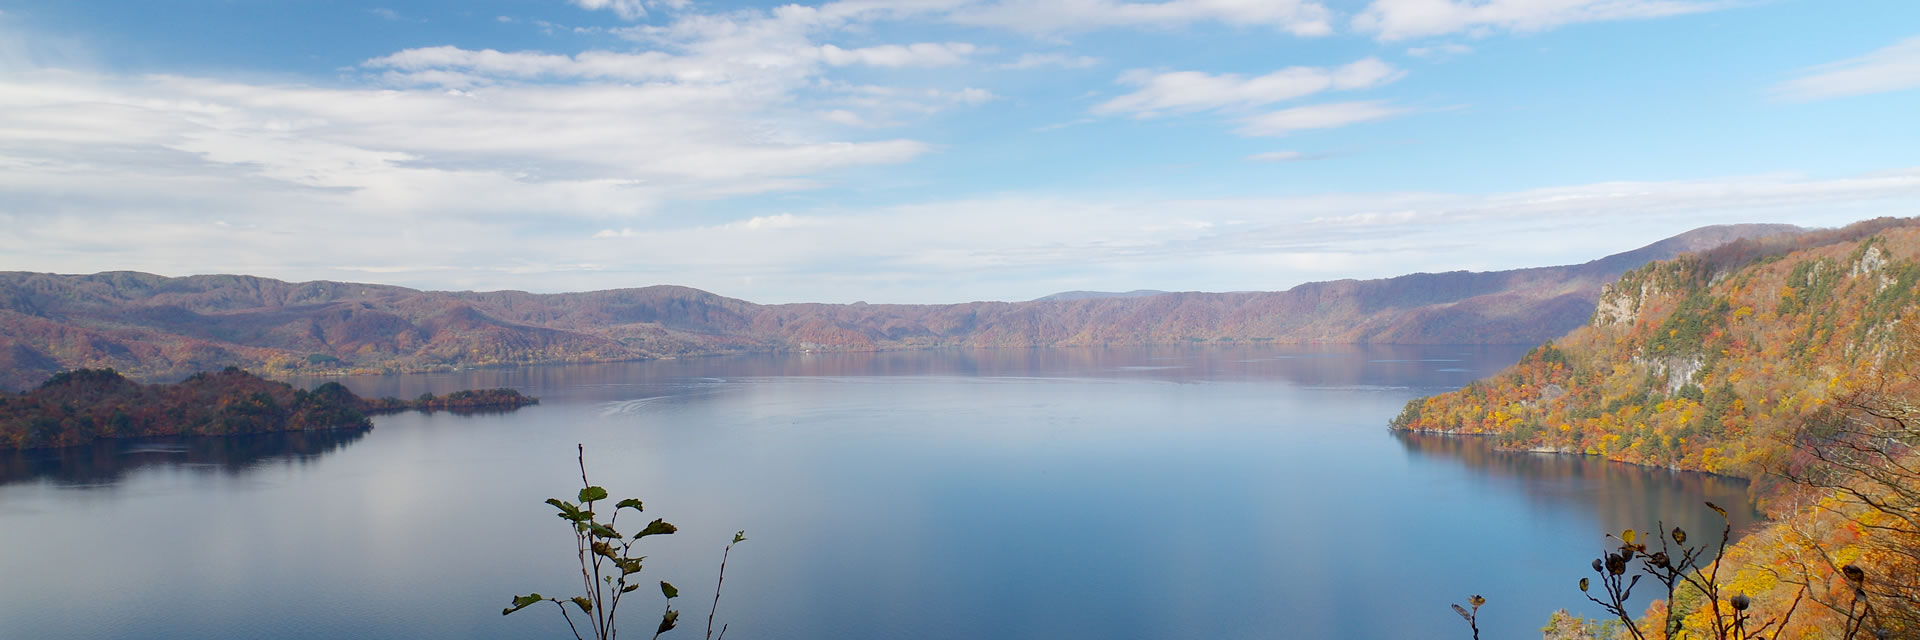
(1596, 565)
(1854, 575)
(1679, 536)
(1583, 585)
(1741, 602)
(1616, 564)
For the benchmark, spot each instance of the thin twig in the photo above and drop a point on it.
(716, 592)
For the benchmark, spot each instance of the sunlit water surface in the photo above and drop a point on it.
(1249, 492)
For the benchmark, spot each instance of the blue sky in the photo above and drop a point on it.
(933, 150)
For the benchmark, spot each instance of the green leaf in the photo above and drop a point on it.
(739, 537)
(585, 604)
(604, 550)
(629, 502)
(667, 621)
(630, 566)
(568, 510)
(657, 527)
(629, 588)
(667, 589)
(591, 494)
(522, 602)
(603, 531)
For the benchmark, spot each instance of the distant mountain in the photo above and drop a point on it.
(1089, 295)
(159, 328)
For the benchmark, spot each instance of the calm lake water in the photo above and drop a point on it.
(1249, 492)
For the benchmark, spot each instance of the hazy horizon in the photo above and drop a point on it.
(933, 151)
(1098, 293)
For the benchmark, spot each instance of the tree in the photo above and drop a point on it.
(1862, 456)
(608, 564)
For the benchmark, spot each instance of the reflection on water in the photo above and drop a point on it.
(108, 462)
(1613, 491)
(1166, 492)
(1420, 367)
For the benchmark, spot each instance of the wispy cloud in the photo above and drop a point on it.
(1319, 116)
(626, 9)
(923, 54)
(1060, 60)
(1402, 19)
(1188, 91)
(1046, 17)
(1894, 68)
(1278, 156)
(1446, 50)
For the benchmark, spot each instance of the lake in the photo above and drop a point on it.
(1166, 492)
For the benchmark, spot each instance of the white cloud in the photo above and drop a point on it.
(357, 209)
(477, 65)
(751, 225)
(974, 96)
(1045, 17)
(446, 166)
(1319, 116)
(1402, 19)
(845, 117)
(1278, 156)
(1894, 68)
(626, 9)
(1061, 60)
(477, 139)
(923, 54)
(770, 223)
(1188, 91)
(1015, 246)
(1446, 50)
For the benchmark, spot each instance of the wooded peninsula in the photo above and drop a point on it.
(81, 406)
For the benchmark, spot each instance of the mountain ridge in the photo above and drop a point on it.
(154, 327)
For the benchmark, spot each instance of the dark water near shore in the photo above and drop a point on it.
(1248, 492)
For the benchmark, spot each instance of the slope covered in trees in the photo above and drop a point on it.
(80, 406)
(1707, 361)
(158, 328)
(77, 407)
(1788, 361)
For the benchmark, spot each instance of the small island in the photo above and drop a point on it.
(460, 402)
(78, 407)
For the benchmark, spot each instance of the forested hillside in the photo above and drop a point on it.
(158, 328)
(1787, 361)
(78, 407)
(1705, 361)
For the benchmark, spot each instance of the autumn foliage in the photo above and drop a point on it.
(1706, 362)
(1786, 361)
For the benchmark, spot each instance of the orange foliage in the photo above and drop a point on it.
(1703, 362)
